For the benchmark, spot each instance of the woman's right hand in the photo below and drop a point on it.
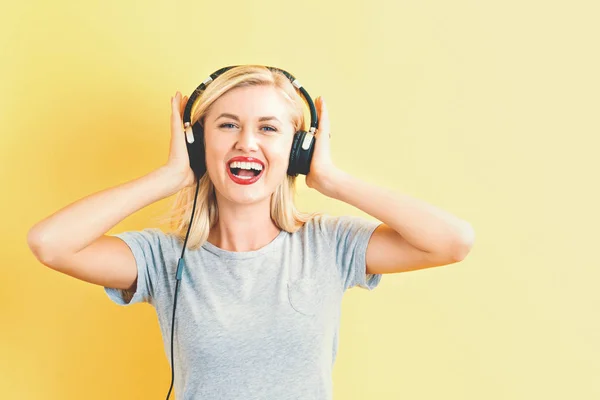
(179, 161)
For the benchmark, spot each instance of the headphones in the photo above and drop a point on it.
(301, 154)
(302, 146)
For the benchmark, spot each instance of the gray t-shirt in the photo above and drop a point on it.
(259, 324)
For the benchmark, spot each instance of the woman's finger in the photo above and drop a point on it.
(183, 104)
(175, 103)
(324, 125)
(176, 123)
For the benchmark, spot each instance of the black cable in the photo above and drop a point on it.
(180, 266)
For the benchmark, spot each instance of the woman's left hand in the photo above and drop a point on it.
(322, 174)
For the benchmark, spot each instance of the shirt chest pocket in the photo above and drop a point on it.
(305, 295)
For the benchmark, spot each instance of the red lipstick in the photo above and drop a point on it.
(240, 180)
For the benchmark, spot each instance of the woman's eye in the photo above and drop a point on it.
(270, 128)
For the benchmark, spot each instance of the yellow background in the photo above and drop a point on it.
(489, 110)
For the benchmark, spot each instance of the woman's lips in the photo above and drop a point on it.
(244, 180)
(246, 159)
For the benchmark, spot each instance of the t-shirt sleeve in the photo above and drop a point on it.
(350, 237)
(146, 248)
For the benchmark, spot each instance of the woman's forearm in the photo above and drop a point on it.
(423, 225)
(75, 226)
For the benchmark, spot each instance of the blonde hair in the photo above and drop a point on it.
(283, 209)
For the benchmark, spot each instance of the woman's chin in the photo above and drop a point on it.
(245, 195)
(256, 192)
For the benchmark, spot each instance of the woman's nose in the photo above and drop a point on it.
(247, 141)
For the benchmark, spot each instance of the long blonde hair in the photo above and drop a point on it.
(283, 209)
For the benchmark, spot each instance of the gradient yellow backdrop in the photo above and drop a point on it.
(488, 110)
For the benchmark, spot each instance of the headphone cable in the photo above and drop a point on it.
(180, 266)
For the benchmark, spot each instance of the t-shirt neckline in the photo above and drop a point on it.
(239, 255)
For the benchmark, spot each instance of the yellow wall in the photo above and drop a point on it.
(488, 110)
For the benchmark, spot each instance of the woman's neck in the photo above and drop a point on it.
(243, 227)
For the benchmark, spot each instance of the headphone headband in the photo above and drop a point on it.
(303, 143)
(194, 96)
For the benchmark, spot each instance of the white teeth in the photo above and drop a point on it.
(246, 165)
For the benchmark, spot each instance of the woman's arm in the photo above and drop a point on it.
(414, 234)
(73, 240)
(75, 226)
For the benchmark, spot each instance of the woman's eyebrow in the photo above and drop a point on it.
(235, 117)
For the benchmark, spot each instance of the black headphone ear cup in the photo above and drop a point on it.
(196, 151)
(300, 158)
(292, 170)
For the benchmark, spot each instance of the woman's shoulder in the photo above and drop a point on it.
(328, 224)
(152, 237)
(328, 221)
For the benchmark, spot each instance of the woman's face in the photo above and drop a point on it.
(248, 135)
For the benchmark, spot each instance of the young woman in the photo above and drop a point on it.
(259, 302)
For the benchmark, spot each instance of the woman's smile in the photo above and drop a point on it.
(245, 170)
